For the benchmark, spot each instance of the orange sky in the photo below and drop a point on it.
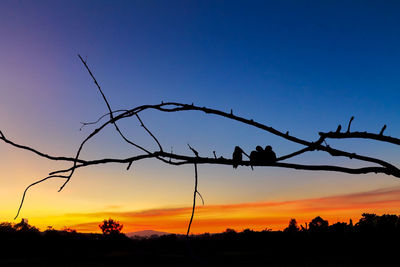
(256, 215)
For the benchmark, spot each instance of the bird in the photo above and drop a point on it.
(237, 156)
(256, 155)
(269, 155)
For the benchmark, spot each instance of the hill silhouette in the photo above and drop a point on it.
(146, 233)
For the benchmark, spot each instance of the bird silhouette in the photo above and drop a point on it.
(237, 156)
(269, 155)
(256, 156)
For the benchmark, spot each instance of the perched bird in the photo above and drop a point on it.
(269, 155)
(256, 155)
(237, 157)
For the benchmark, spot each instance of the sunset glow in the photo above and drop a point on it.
(256, 216)
(300, 68)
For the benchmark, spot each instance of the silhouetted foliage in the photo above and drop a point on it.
(340, 244)
(318, 225)
(292, 227)
(68, 230)
(230, 231)
(6, 228)
(340, 227)
(368, 222)
(388, 223)
(111, 227)
(373, 223)
(24, 226)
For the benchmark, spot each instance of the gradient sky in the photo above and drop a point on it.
(301, 66)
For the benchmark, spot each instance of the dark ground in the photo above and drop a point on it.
(248, 248)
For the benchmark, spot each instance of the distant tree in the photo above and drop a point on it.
(292, 227)
(6, 227)
(318, 224)
(340, 227)
(24, 226)
(230, 231)
(247, 231)
(111, 227)
(68, 230)
(388, 223)
(368, 222)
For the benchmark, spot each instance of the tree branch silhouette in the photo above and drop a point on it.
(373, 165)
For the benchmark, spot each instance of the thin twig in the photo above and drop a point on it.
(35, 183)
(99, 119)
(194, 199)
(201, 197)
(148, 131)
(41, 154)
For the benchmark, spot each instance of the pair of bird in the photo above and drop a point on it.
(258, 156)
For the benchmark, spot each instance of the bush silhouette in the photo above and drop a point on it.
(111, 227)
(292, 227)
(24, 226)
(318, 224)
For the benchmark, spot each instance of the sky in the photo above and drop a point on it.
(298, 66)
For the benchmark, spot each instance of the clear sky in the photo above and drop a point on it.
(301, 66)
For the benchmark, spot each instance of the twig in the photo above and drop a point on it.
(382, 130)
(348, 127)
(41, 154)
(193, 150)
(35, 183)
(362, 135)
(99, 119)
(147, 130)
(194, 200)
(201, 197)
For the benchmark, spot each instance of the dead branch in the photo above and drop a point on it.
(194, 199)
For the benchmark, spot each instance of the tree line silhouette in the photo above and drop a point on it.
(368, 223)
(368, 242)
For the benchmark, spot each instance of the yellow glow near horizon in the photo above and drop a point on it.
(216, 218)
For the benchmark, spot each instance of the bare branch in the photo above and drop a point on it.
(194, 199)
(183, 160)
(147, 130)
(41, 154)
(98, 86)
(35, 183)
(99, 119)
(362, 135)
(202, 200)
(194, 151)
